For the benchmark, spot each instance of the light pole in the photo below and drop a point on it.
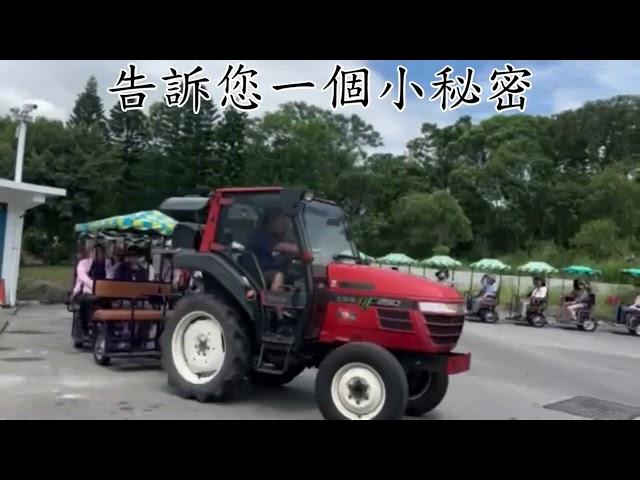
(23, 115)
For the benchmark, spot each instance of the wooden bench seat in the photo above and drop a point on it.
(126, 315)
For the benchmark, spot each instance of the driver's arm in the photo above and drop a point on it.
(285, 247)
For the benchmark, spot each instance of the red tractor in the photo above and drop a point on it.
(382, 340)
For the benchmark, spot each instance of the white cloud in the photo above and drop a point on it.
(557, 86)
(54, 85)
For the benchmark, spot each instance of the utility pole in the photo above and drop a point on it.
(23, 116)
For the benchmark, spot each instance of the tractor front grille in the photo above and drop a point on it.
(444, 329)
(394, 319)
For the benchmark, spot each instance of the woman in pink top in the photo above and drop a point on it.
(83, 288)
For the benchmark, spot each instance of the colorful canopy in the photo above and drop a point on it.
(537, 267)
(396, 259)
(634, 272)
(147, 221)
(441, 261)
(490, 265)
(578, 270)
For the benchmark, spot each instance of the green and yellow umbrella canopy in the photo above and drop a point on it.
(537, 268)
(634, 272)
(396, 259)
(490, 265)
(151, 221)
(579, 270)
(441, 261)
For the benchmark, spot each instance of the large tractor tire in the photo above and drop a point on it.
(426, 391)
(361, 381)
(205, 348)
(271, 380)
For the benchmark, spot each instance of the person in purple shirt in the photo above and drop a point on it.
(129, 270)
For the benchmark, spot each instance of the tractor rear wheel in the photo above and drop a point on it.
(361, 381)
(426, 391)
(271, 380)
(205, 348)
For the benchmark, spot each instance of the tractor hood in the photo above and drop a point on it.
(368, 280)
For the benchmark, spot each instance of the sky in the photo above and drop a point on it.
(555, 86)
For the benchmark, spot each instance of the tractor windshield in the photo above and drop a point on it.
(328, 233)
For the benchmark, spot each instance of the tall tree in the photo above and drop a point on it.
(187, 142)
(130, 134)
(230, 151)
(88, 111)
(424, 221)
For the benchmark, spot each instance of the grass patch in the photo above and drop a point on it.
(59, 275)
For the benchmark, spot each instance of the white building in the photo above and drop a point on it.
(15, 199)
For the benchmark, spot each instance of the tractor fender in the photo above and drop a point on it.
(218, 269)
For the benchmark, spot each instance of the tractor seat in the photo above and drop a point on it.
(127, 315)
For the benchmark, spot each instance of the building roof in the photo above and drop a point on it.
(31, 188)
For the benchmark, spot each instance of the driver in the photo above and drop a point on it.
(269, 239)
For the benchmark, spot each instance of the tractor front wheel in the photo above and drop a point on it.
(361, 381)
(426, 391)
(205, 349)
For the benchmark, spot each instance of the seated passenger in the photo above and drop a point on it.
(130, 270)
(625, 310)
(83, 288)
(268, 240)
(575, 292)
(98, 269)
(488, 290)
(580, 300)
(537, 295)
(442, 276)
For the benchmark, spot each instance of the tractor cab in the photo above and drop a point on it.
(237, 217)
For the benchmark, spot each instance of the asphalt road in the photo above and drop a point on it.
(516, 370)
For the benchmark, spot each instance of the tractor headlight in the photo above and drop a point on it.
(443, 308)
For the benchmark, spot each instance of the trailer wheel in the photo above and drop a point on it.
(205, 349)
(361, 381)
(271, 380)
(100, 346)
(426, 391)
